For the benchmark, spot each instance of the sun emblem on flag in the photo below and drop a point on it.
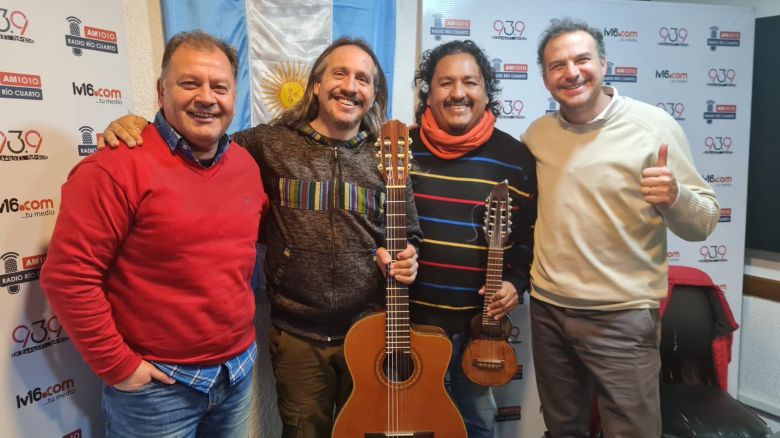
(283, 86)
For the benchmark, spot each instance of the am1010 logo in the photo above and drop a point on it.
(717, 111)
(22, 86)
(449, 27)
(94, 38)
(13, 276)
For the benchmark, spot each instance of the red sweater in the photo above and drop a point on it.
(152, 255)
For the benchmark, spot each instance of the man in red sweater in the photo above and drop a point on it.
(151, 257)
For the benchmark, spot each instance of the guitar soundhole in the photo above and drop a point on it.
(398, 367)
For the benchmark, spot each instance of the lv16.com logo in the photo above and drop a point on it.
(52, 394)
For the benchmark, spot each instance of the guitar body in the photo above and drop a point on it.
(417, 401)
(488, 359)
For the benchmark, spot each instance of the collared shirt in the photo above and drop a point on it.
(203, 378)
(178, 144)
(614, 104)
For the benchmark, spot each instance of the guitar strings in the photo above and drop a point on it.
(397, 324)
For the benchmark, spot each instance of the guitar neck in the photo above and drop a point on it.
(493, 279)
(398, 328)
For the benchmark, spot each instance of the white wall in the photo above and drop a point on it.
(759, 366)
(143, 22)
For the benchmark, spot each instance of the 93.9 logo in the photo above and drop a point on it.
(17, 145)
(713, 253)
(722, 77)
(675, 109)
(718, 145)
(37, 335)
(13, 25)
(509, 29)
(673, 36)
(511, 109)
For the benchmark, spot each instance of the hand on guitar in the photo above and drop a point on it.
(404, 269)
(126, 128)
(503, 301)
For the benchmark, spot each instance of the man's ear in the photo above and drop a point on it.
(159, 93)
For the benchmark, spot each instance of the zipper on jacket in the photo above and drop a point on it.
(334, 206)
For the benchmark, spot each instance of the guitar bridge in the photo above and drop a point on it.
(488, 364)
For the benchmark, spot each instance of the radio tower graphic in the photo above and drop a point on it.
(75, 30)
(9, 262)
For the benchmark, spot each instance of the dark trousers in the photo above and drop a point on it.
(312, 383)
(612, 354)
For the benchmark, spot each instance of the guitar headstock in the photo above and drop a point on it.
(394, 152)
(497, 215)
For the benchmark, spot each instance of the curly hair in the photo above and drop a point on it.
(308, 108)
(430, 58)
(568, 25)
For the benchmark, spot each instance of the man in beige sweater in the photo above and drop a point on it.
(614, 174)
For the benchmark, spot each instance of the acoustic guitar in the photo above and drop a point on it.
(489, 359)
(398, 370)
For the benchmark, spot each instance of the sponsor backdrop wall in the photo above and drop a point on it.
(694, 61)
(64, 74)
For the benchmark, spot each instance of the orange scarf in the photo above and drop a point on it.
(451, 147)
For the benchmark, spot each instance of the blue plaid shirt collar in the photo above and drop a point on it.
(204, 378)
(177, 143)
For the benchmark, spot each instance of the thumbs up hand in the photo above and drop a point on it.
(658, 185)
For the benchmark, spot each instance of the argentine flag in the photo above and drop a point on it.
(278, 40)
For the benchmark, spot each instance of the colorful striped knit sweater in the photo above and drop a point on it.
(450, 199)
